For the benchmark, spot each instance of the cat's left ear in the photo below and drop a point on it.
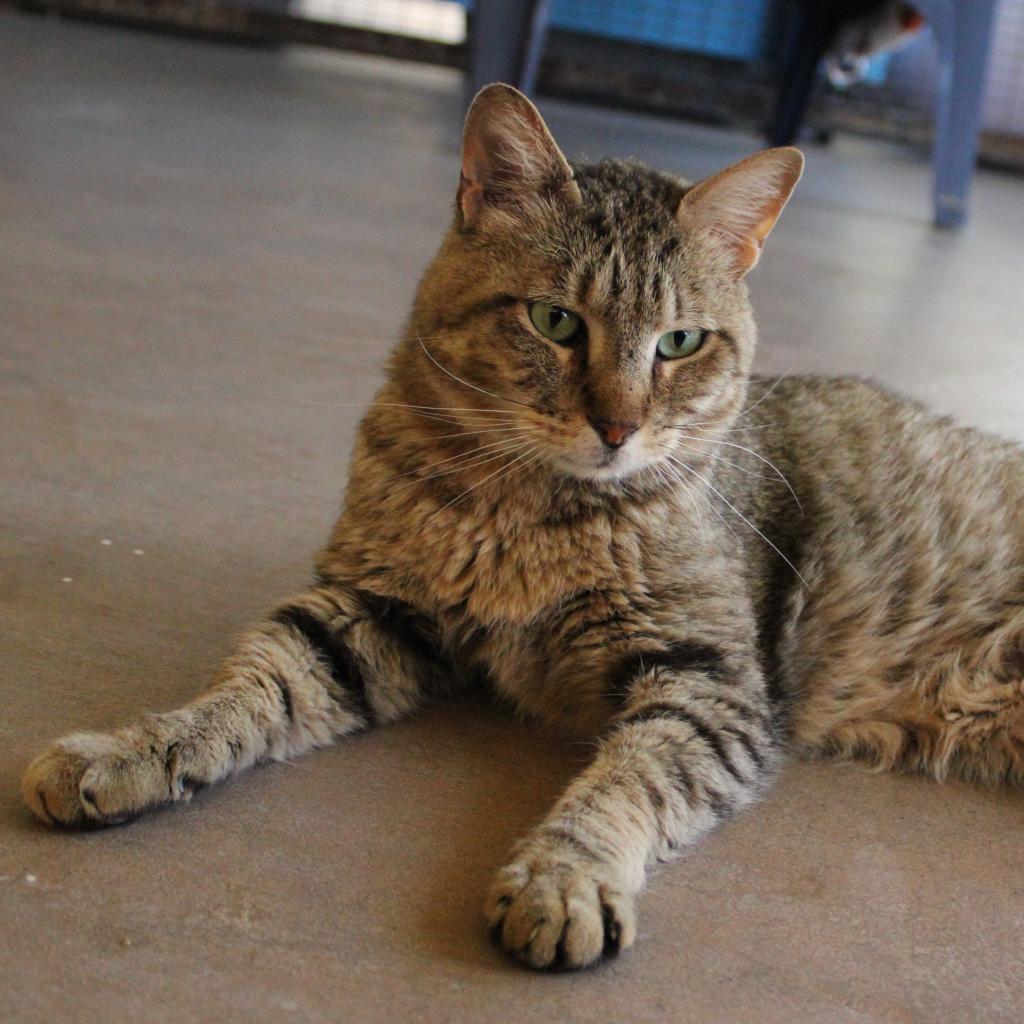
(508, 156)
(737, 207)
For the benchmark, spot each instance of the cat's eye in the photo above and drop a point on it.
(555, 323)
(679, 344)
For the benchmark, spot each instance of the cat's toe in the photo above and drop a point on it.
(51, 785)
(558, 916)
(89, 779)
(50, 788)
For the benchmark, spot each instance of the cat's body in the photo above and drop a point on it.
(897, 520)
(699, 570)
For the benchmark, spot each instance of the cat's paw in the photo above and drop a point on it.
(96, 778)
(553, 910)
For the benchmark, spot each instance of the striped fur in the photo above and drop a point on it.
(309, 675)
(805, 564)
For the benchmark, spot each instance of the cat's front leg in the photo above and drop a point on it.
(333, 661)
(693, 742)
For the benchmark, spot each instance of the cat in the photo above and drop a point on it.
(569, 491)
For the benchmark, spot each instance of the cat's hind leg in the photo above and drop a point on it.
(331, 662)
(958, 713)
(981, 736)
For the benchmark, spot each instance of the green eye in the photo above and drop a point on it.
(679, 344)
(561, 325)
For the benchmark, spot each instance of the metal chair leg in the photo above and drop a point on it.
(963, 33)
(506, 43)
(807, 46)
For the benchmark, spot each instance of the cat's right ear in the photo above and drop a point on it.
(737, 207)
(508, 156)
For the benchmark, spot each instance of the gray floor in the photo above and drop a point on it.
(204, 254)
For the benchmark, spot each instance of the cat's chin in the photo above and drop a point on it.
(624, 465)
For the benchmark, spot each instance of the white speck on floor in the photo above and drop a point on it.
(66, 579)
(30, 879)
(106, 542)
(138, 551)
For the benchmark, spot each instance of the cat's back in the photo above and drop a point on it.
(910, 525)
(910, 545)
(881, 479)
(848, 439)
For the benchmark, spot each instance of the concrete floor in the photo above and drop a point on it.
(204, 253)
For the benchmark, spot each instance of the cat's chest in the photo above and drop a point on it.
(508, 574)
(502, 565)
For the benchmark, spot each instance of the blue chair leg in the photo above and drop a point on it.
(963, 36)
(506, 43)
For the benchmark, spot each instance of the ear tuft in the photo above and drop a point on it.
(739, 206)
(508, 154)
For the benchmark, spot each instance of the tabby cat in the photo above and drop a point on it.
(570, 492)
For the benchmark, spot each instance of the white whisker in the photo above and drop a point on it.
(711, 423)
(744, 412)
(777, 382)
(750, 451)
(714, 457)
(403, 405)
(458, 420)
(490, 476)
(493, 456)
(487, 430)
(466, 382)
(771, 544)
(437, 417)
(464, 460)
(693, 494)
(710, 504)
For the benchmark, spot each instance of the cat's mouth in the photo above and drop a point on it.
(605, 464)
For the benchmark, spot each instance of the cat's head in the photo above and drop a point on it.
(597, 313)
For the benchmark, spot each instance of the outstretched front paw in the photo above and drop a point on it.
(555, 909)
(103, 778)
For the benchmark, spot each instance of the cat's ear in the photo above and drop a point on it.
(508, 155)
(737, 207)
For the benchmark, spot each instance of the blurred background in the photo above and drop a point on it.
(953, 69)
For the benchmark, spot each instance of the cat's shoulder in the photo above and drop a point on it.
(793, 393)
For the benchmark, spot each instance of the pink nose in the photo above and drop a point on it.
(614, 433)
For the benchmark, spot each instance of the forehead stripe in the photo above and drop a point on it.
(472, 312)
